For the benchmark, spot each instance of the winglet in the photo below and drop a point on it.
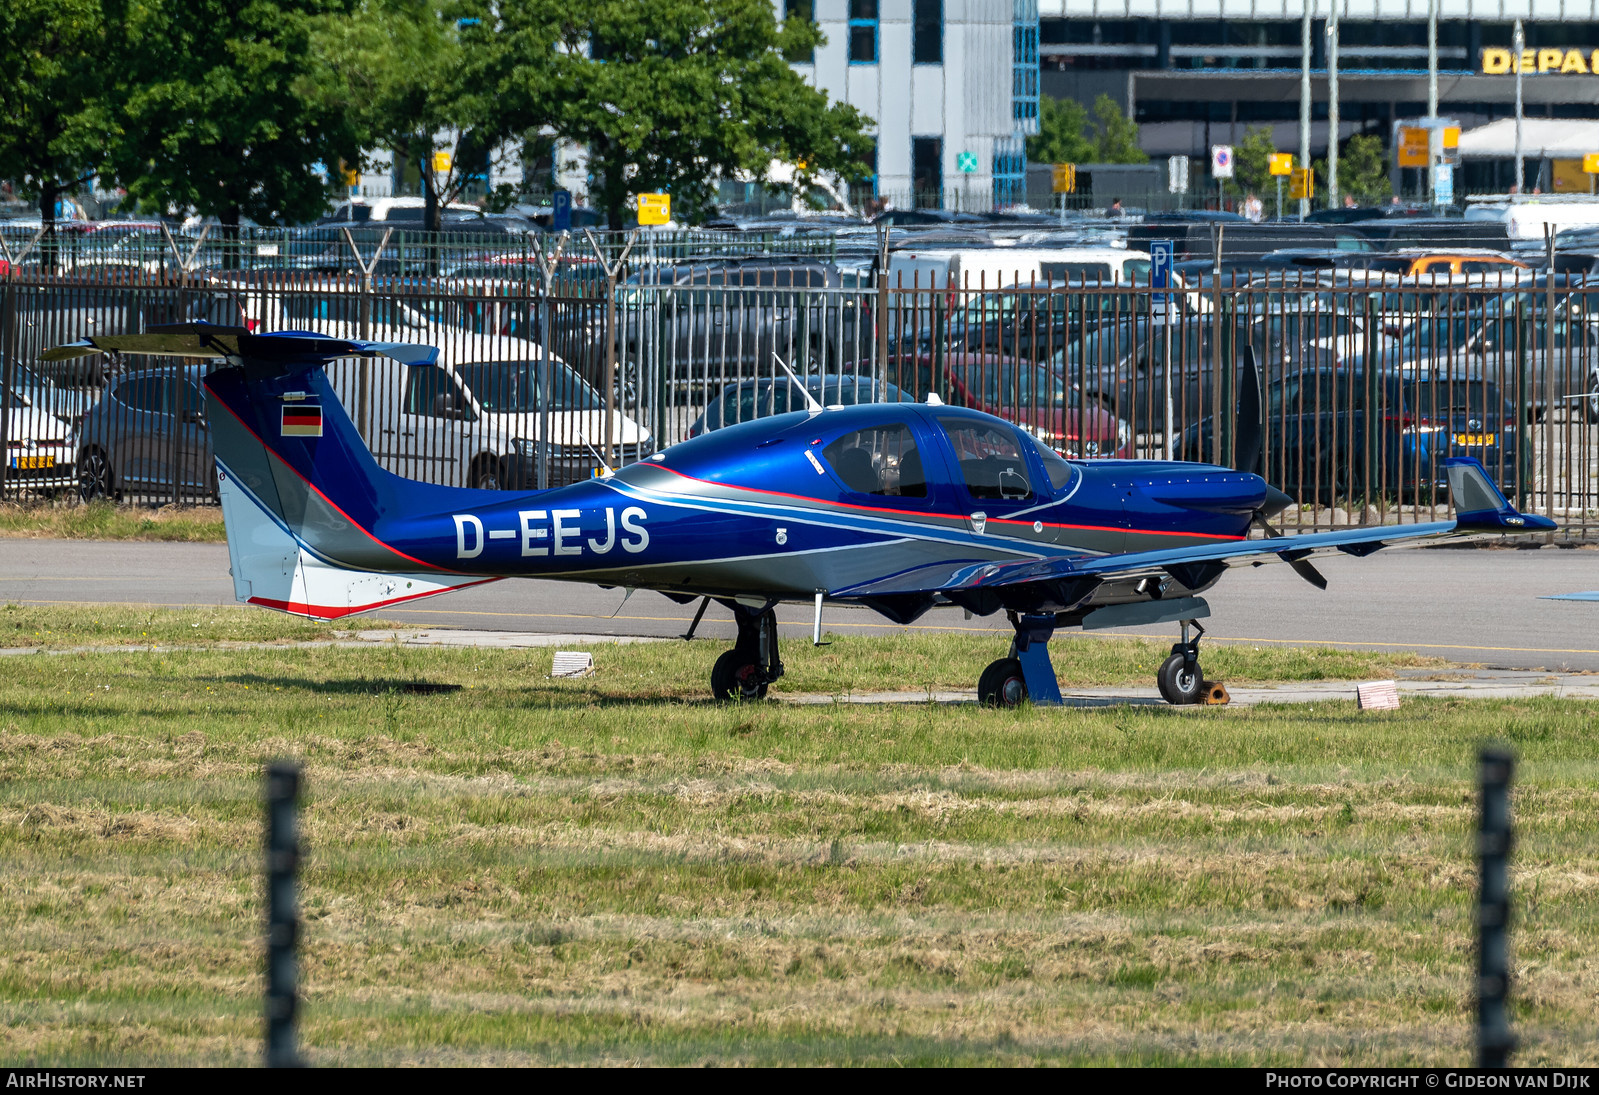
(1481, 506)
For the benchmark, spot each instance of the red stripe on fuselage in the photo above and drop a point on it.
(328, 612)
(271, 452)
(947, 516)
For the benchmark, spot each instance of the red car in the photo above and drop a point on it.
(1033, 396)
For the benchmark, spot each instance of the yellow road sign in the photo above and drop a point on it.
(441, 161)
(1063, 178)
(1590, 163)
(1412, 146)
(1281, 163)
(654, 208)
(1302, 184)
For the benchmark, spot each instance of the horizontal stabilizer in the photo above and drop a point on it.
(274, 569)
(208, 340)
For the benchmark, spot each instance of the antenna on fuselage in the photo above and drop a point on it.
(811, 402)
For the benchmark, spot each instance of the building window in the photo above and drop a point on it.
(805, 11)
(1010, 171)
(1024, 72)
(927, 172)
(863, 32)
(927, 32)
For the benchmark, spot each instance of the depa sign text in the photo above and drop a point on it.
(1498, 62)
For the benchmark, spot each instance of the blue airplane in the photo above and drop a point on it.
(899, 507)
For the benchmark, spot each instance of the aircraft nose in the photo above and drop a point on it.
(1276, 501)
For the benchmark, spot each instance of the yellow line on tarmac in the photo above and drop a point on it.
(1209, 637)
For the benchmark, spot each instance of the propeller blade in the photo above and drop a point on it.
(1309, 573)
(1249, 439)
(1302, 567)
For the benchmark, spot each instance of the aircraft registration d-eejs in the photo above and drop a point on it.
(900, 507)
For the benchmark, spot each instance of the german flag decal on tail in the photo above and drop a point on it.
(302, 420)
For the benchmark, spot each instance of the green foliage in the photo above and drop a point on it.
(56, 117)
(679, 91)
(223, 110)
(1066, 135)
(1363, 170)
(1062, 125)
(427, 76)
(1252, 164)
(1116, 139)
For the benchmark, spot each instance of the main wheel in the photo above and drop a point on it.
(1179, 683)
(731, 679)
(1002, 684)
(95, 479)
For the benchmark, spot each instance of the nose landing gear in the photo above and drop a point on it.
(744, 672)
(1180, 679)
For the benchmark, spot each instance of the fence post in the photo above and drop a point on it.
(363, 384)
(1494, 1040)
(612, 269)
(8, 339)
(880, 373)
(283, 915)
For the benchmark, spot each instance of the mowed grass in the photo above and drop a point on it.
(105, 521)
(506, 868)
(72, 627)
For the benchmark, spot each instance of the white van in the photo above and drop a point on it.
(388, 210)
(1020, 267)
(474, 419)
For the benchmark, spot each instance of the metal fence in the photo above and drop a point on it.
(1368, 386)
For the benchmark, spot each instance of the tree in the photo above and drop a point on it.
(1067, 136)
(669, 95)
(1363, 170)
(426, 80)
(1252, 164)
(224, 112)
(1061, 127)
(57, 121)
(1117, 138)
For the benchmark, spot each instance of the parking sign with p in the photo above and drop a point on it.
(1161, 253)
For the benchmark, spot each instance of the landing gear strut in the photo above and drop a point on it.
(744, 672)
(1027, 673)
(1180, 679)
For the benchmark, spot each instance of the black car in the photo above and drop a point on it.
(1334, 435)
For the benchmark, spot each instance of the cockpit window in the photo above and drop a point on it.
(879, 460)
(991, 459)
(1056, 466)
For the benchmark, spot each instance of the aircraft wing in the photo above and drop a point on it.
(1482, 510)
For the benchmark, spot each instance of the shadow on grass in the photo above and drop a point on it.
(355, 686)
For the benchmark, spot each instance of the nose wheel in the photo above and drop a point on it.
(1180, 679)
(745, 672)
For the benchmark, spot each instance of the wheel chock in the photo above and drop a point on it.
(1214, 693)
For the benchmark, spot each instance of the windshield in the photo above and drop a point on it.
(513, 387)
(1104, 347)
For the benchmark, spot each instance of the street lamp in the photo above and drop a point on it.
(1304, 100)
(1332, 104)
(1518, 45)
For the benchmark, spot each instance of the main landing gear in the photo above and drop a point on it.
(744, 672)
(1027, 672)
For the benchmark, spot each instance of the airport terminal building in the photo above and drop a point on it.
(1200, 72)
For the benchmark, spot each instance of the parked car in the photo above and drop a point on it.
(43, 393)
(148, 435)
(38, 445)
(1336, 434)
(723, 319)
(477, 420)
(747, 400)
(1033, 396)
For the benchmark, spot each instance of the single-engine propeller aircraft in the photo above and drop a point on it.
(896, 506)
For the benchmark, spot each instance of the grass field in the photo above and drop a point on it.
(104, 521)
(505, 868)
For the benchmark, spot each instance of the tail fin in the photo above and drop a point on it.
(302, 497)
